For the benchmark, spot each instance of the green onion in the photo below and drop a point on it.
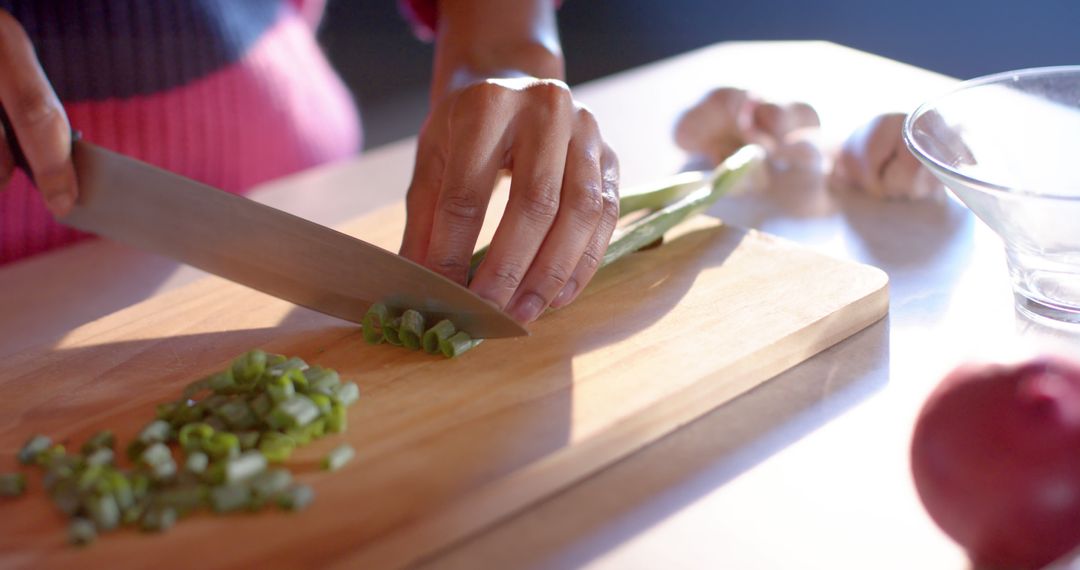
(159, 460)
(391, 331)
(103, 456)
(12, 484)
(183, 498)
(262, 404)
(458, 344)
(373, 322)
(222, 445)
(197, 463)
(276, 447)
(34, 447)
(193, 436)
(222, 382)
(270, 483)
(321, 381)
(280, 388)
(196, 388)
(244, 467)
(337, 419)
(437, 335)
(248, 440)
(297, 411)
(157, 431)
(248, 367)
(81, 532)
(228, 498)
(411, 329)
(338, 457)
(158, 519)
(237, 415)
(51, 455)
(103, 510)
(296, 498)
(347, 394)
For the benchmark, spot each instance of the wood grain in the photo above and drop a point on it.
(444, 447)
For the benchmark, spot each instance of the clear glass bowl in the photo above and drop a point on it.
(1008, 146)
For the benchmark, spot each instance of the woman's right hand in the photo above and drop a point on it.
(41, 126)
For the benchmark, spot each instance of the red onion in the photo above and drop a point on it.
(996, 460)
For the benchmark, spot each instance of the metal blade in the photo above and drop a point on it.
(261, 247)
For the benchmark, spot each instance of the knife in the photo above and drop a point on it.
(261, 247)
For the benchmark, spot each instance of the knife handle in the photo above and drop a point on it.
(16, 149)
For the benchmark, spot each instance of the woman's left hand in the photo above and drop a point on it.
(563, 203)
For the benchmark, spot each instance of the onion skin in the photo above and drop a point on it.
(996, 460)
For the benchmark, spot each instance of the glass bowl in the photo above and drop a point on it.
(1008, 146)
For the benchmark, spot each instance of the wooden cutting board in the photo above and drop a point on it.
(444, 447)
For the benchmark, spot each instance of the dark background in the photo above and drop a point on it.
(387, 68)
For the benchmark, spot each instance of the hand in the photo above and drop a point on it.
(875, 160)
(563, 203)
(41, 126)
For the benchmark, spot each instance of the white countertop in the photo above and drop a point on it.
(807, 471)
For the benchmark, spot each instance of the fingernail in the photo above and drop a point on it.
(565, 295)
(527, 308)
(61, 204)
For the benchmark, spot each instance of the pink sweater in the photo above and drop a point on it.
(229, 93)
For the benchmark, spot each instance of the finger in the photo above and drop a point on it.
(539, 161)
(580, 207)
(905, 177)
(423, 195)
(475, 143)
(598, 244)
(40, 123)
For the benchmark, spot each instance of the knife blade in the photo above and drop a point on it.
(261, 247)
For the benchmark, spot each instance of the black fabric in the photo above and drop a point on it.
(98, 49)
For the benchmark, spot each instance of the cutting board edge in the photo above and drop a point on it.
(539, 482)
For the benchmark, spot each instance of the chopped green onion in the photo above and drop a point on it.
(248, 367)
(303, 435)
(321, 401)
(296, 498)
(347, 394)
(270, 483)
(391, 331)
(158, 519)
(183, 498)
(34, 447)
(376, 315)
(248, 440)
(193, 436)
(262, 404)
(337, 419)
(66, 497)
(338, 457)
(295, 412)
(292, 363)
(167, 410)
(437, 335)
(121, 490)
(103, 456)
(197, 463)
(276, 447)
(244, 467)
(157, 431)
(103, 510)
(51, 455)
(81, 532)
(280, 388)
(12, 484)
(321, 380)
(237, 415)
(458, 344)
(222, 382)
(222, 445)
(411, 329)
(228, 498)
